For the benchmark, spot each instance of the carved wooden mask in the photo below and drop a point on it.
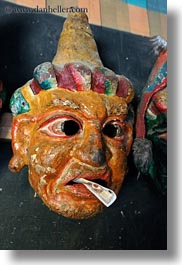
(72, 120)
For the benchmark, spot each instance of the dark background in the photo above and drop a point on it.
(137, 220)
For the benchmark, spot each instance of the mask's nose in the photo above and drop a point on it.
(99, 157)
(92, 150)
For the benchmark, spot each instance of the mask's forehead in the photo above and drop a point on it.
(87, 103)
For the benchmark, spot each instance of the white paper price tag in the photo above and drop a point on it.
(105, 195)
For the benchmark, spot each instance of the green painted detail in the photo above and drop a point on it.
(103, 70)
(158, 168)
(155, 126)
(18, 103)
(107, 83)
(108, 88)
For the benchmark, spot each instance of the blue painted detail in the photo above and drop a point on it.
(157, 6)
(140, 3)
(162, 73)
(48, 83)
(151, 5)
(18, 103)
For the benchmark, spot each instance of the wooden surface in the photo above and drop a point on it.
(5, 126)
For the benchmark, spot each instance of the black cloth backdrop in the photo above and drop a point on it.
(138, 218)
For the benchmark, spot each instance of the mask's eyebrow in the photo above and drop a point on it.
(65, 106)
(67, 102)
(73, 105)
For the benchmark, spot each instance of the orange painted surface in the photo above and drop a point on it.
(94, 12)
(30, 3)
(138, 18)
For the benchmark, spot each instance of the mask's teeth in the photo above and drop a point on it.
(105, 195)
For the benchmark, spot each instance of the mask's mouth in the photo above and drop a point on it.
(80, 190)
(97, 181)
(66, 185)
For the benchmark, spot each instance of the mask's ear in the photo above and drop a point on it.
(21, 131)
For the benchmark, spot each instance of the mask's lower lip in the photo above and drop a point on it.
(79, 189)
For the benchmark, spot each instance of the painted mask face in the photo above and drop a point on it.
(70, 134)
(72, 122)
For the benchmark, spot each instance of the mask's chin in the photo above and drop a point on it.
(72, 201)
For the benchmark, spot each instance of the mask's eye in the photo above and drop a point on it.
(63, 126)
(114, 129)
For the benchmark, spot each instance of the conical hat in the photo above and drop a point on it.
(75, 67)
(76, 43)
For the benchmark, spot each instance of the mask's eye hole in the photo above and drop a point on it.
(70, 127)
(63, 126)
(114, 129)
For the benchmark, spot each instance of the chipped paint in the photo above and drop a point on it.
(34, 158)
(39, 169)
(42, 181)
(50, 169)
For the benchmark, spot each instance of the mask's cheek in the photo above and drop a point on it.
(118, 165)
(118, 161)
(47, 160)
(128, 138)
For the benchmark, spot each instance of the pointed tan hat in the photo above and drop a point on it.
(76, 67)
(76, 43)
